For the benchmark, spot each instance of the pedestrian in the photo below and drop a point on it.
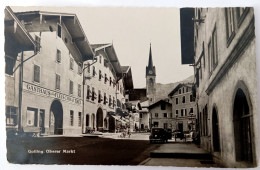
(128, 133)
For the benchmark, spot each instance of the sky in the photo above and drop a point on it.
(131, 30)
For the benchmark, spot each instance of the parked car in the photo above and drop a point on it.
(160, 135)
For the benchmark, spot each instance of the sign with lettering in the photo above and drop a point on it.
(49, 93)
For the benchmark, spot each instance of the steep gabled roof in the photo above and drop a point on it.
(72, 24)
(158, 103)
(178, 87)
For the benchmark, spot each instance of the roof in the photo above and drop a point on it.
(179, 86)
(72, 24)
(15, 33)
(112, 57)
(127, 77)
(159, 102)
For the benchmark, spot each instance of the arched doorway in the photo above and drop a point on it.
(215, 131)
(99, 122)
(56, 118)
(242, 119)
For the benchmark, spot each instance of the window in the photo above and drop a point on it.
(155, 124)
(99, 96)
(105, 98)
(79, 90)
(110, 81)
(94, 71)
(230, 24)
(59, 30)
(114, 102)
(105, 78)
(71, 117)
(182, 112)
(79, 119)
(71, 87)
(94, 95)
(9, 65)
(183, 99)
(183, 91)
(191, 110)
(156, 115)
(110, 100)
(32, 116)
(57, 86)
(179, 91)
(36, 77)
(88, 92)
(100, 75)
(11, 116)
(191, 98)
(177, 101)
(212, 51)
(71, 63)
(163, 106)
(187, 89)
(79, 68)
(58, 56)
(176, 113)
(165, 115)
(37, 43)
(141, 115)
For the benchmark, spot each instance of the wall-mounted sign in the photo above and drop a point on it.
(38, 90)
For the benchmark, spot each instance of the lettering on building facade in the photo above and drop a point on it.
(28, 87)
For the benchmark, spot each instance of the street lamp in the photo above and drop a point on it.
(83, 83)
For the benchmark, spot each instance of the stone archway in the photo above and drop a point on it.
(215, 131)
(99, 120)
(242, 120)
(56, 118)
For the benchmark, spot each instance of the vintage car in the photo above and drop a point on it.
(160, 135)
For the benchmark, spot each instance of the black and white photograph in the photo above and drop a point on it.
(131, 86)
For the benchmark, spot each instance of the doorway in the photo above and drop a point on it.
(56, 118)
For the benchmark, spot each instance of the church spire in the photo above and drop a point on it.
(150, 69)
(150, 62)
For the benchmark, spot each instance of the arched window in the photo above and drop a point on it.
(242, 128)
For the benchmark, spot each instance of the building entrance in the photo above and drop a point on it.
(243, 128)
(215, 131)
(56, 118)
(99, 119)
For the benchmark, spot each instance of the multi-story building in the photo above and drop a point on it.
(161, 114)
(17, 42)
(222, 41)
(51, 90)
(183, 108)
(105, 84)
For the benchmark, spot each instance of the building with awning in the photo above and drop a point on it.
(110, 81)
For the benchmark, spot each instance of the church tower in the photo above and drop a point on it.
(150, 79)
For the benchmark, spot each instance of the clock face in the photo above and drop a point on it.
(151, 72)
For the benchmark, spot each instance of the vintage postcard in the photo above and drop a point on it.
(131, 86)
